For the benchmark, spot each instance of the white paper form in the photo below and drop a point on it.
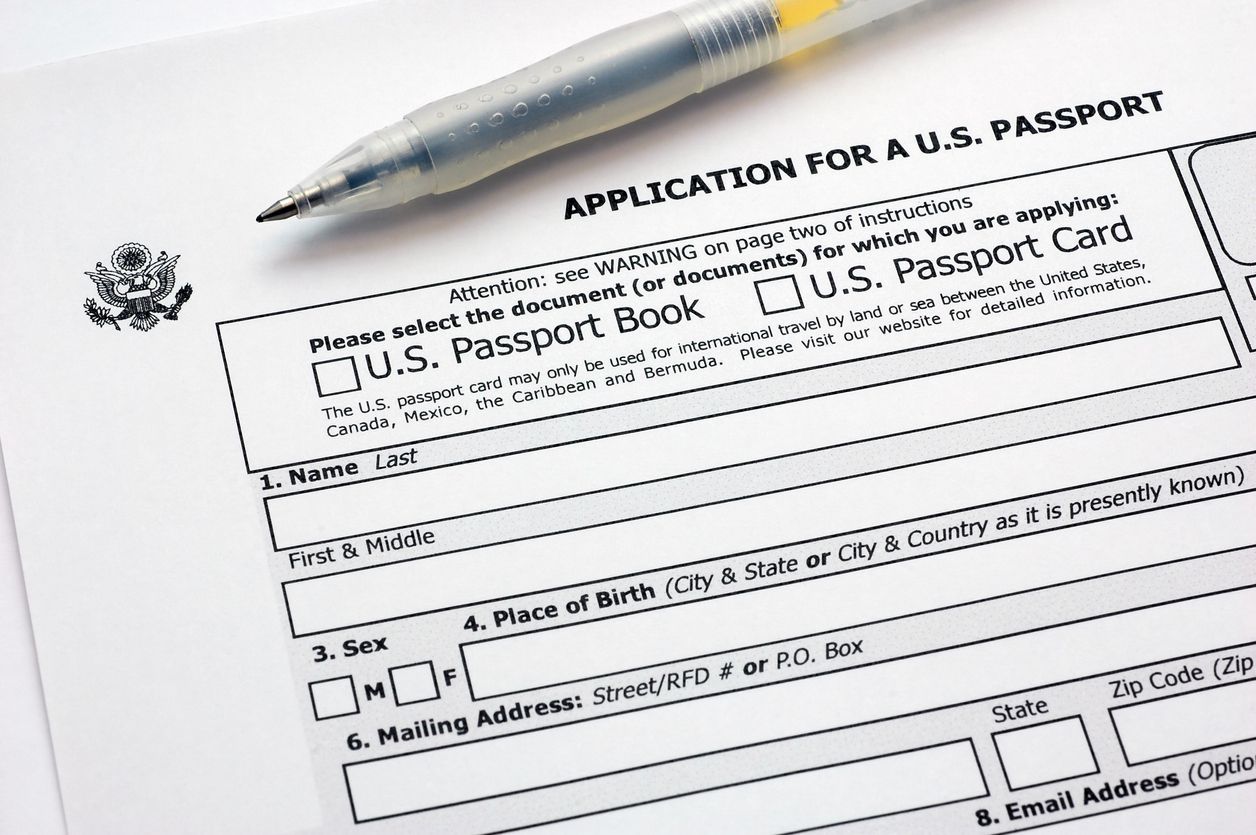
(912, 493)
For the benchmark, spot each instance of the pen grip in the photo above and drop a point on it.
(597, 85)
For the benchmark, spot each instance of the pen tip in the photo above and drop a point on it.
(279, 210)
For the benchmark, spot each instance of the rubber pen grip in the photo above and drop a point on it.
(607, 81)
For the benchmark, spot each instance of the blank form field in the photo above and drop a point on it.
(1226, 174)
(1187, 723)
(1045, 753)
(841, 793)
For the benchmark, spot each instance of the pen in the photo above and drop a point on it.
(597, 85)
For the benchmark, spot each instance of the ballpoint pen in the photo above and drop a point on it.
(605, 82)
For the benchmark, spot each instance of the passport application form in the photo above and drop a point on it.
(866, 443)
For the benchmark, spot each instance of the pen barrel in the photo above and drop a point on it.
(732, 37)
(610, 80)
(597, 85)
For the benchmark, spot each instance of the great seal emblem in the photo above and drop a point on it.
(138, 284)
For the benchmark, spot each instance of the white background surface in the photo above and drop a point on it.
(39, 33)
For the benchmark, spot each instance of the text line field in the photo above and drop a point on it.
(612, 645)
(739, 437)
(578, 750)
(498, 571)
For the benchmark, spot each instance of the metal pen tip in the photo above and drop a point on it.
(279, 210)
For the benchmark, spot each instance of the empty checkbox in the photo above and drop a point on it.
(778, 295)
(413, 683)
(337, 376)
(333, 697)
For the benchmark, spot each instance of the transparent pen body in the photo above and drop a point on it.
(610, 80)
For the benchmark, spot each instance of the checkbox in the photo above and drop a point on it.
(414, 683)
(333, 697)
(337, 376)
(778, 295)
(1045, 753)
